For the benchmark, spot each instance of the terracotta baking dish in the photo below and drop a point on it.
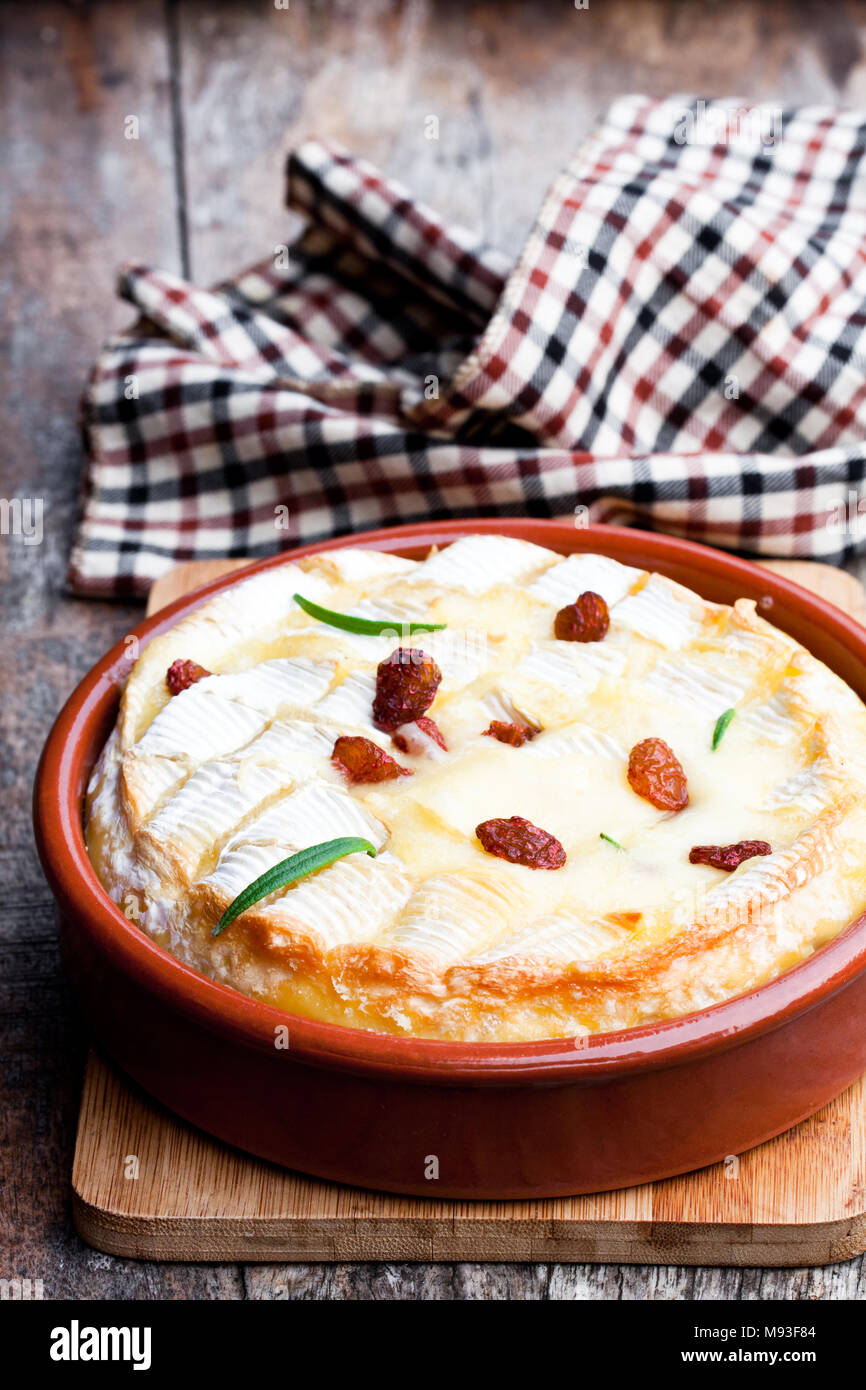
(513, 1120)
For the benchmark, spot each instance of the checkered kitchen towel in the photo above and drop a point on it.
(681, 346)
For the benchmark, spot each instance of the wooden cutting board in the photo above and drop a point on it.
(147, 1185)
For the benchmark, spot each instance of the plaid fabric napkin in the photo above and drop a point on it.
(679, 346)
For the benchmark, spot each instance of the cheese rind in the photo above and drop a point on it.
(198, 794)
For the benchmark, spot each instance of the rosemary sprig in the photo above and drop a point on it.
(371, 627)
(611, 841)
(299, 865)
(721, 725)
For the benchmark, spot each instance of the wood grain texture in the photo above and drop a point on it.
(515, 87)
(76, 198)
(147, 1185)
(222, 92)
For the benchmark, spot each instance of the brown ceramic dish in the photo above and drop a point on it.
(504, 1120)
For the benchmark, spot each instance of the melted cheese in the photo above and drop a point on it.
(197, 795)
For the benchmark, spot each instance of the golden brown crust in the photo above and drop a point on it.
(199, 794)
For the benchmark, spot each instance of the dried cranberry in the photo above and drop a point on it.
(514, 734)
(182, 674)
(406, 685)
(656, 774)
(586, 620)
(728, 857)
(364, 761)
(521, 842)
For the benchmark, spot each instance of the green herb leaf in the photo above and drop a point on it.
(299, 865)
(721, 725)
(371, 627)
(611, 841)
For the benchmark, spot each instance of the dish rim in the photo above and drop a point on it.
(62, 776)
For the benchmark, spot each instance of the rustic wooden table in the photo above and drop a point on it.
(221, 92)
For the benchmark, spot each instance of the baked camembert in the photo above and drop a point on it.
(577, 796)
